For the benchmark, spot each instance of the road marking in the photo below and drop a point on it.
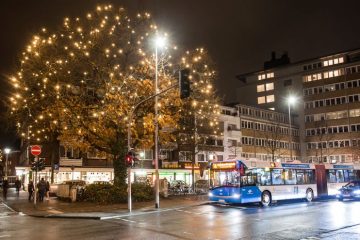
(126, 220)
(4, 236)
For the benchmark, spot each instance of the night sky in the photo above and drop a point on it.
(239, 35)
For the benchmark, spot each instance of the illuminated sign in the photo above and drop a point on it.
(291, 165)
(343, 166)
(224, 165)
(189, 166)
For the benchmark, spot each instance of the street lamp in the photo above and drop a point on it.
(7, 152)
(290, 100)
(160, 42)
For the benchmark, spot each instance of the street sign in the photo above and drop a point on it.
(35, 150)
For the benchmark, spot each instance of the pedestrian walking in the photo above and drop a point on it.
(42, 189)
(47, 190)
(31, 189)
(5, 188)
(17, 185)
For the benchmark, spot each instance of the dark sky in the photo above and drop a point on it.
(239, 34)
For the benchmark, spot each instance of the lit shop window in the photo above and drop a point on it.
(265, 76)
(270, 98)
(269, 86)
(261, 88)
(261, 100)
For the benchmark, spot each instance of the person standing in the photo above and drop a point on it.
(31, 189)
(5, 188)
(17, 185)
(47, 190)
(42, 189)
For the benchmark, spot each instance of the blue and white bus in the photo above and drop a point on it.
(331, 177)
(247, 181)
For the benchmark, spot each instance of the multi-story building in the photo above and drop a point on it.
(251, 132)
(328, 103)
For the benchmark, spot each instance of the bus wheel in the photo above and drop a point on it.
(309, 195)
(265, 199)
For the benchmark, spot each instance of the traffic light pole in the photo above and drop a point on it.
(35, 180)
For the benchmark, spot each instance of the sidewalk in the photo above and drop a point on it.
(55, 208)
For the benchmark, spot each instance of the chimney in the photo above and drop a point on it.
(273, 55)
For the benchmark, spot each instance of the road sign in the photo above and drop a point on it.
(35, 150)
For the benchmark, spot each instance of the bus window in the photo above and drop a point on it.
(248, 180)
(277, 177)
(263, 177)
(331, 176)
(226, 178)
(290, 176)
(346, 176)
(300, 176)
(352, 174)
(339, 176)
(309, 177)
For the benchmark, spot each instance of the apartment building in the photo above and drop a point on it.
(251, 132)
(328, 105)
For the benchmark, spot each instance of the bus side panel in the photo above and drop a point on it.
(250, 194)
(283, 192)
(321, 180)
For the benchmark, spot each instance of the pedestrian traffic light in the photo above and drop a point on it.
(184, 83)
(129, 159)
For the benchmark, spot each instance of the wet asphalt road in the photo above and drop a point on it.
(299, 220)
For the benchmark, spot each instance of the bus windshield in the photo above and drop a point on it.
(226, 178)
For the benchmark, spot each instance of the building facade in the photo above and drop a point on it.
(251, 132)
(328, 106)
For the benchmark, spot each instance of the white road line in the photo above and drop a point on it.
(126, 220)
(3, 204)
(4, 236)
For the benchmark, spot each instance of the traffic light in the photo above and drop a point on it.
(129, 159)
(184, 83)
(38, 165)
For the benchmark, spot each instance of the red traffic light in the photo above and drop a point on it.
(129, 159)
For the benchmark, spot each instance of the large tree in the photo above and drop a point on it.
(80, 84)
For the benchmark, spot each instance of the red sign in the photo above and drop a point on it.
(35, 150)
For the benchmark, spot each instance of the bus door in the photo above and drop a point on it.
(321, 180)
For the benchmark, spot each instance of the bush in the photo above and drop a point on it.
(107, 194)
(142, 192)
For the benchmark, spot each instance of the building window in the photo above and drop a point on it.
(265, 76)
(270, 98)
(261, 88)
(261, 100)
(287, 82)
(269, 86)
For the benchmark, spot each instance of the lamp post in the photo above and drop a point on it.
(159, 43)
(290, 100)
(7, 152)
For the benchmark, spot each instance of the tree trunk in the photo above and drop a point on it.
(120, 173)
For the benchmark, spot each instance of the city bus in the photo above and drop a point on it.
(331, 177)
(248, 181)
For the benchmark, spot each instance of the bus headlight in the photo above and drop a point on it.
(357, 192)
(211, 194)
(236, 195)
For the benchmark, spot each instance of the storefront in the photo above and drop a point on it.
(91, 175)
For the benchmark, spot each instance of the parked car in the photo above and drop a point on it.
(349, 191)
(201, 186)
